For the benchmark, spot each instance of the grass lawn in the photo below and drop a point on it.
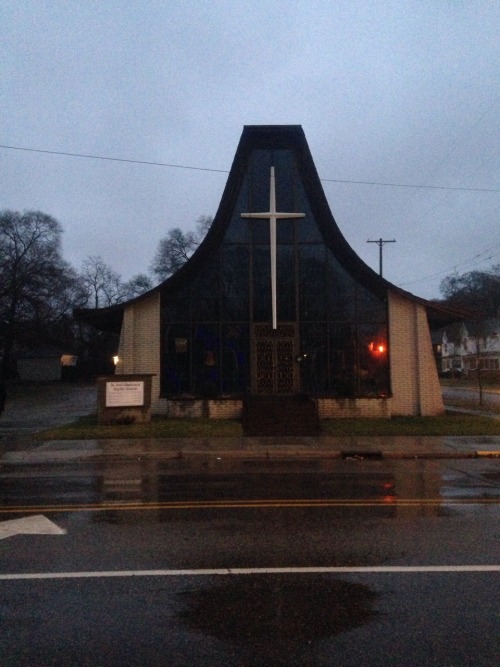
(87, 428)
(449, 424)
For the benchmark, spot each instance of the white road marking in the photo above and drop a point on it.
(30, 525)
(384, 569)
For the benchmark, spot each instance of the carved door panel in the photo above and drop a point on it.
(285, 366)
(274, 367)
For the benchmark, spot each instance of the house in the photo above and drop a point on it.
(471, 345)
(275, 304)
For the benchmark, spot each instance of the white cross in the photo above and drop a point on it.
(273, 215)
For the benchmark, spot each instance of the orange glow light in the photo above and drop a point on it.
(377, 348)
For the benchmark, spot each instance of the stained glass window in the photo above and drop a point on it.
(341, 343)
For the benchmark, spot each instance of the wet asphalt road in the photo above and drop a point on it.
(127, 581)
(158, 526)
(322, 620)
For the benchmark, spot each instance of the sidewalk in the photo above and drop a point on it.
(37, 407)
(326, 447)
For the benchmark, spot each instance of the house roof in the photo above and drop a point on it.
(277, 137)
(106, 319)
(455, 331)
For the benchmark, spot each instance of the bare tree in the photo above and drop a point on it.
(136, 286)
(177, 247)
(173, 251)
(36, 284)
(478, 349)
(476, 290)
(101, 285)
(203, 224)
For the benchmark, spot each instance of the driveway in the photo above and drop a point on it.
(470, 395)
(33, 407)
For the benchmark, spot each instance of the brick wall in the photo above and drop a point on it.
(224, 408)
(139, 348)
(351, 408)
(414, 379)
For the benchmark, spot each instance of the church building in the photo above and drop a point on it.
(274, 303)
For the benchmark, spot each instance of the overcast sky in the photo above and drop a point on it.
(403, 92)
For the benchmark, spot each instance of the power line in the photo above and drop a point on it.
(113, 159)
(454, 267)
(412, 185)
(226, 171)
(462, 265)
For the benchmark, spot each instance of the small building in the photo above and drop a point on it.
(275, 303)
(44, 364)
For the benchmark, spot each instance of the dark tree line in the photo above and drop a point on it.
(39, 289)
(477, 291)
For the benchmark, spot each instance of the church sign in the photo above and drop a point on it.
(121, 394)
(124, 399)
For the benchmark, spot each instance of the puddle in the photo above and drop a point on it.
(273, 610)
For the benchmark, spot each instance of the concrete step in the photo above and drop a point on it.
(280, 415)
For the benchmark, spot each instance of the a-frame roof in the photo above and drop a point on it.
(272, 137)
(280, 137)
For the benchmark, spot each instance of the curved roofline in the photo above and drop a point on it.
(278, 137)
(105, 319)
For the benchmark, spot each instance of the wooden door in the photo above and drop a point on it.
(275, 370)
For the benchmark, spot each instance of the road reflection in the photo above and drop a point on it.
(115, 491)
(241, 484)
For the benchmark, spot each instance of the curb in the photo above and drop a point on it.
(343, 455)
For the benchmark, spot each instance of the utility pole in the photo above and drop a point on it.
(381, 243)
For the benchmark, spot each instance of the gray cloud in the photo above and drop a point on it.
(394, 92)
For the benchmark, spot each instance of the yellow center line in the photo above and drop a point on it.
(245, 504)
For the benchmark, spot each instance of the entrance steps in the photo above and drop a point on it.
(280, 415)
